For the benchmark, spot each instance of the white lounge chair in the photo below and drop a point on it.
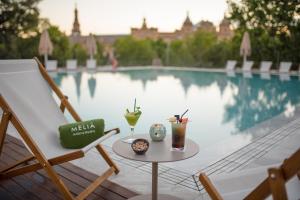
(247, 66)
(265, 66)
(91, 64)
(284, 67)
(27, 102)
(230, 65)
(51, 65)
(71, 64)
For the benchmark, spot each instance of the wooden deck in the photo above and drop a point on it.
(36, 185)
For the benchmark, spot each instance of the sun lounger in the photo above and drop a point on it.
(230, 65)
(28, 104)
(258, 183)
(247, 66)
(71, 64)
(51, 65)
(285, 67)
(265, 66)
(91, 64)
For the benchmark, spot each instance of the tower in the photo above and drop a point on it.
(224, 30)
(76, 25)
(187, 26)
(144, 26)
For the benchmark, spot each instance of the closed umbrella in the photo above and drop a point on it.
(245, 49)
(45, 45)
(91, 45)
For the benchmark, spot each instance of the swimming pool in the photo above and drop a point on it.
(220, 107)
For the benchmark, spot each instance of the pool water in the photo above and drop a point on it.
(220, 107)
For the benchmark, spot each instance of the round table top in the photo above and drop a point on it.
(158, 151)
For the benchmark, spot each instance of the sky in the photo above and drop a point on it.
(118, 16)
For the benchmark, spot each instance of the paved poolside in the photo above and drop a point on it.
(280, 139)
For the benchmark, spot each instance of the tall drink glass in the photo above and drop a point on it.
(178, 134)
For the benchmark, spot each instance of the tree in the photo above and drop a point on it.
(78, 52)
(160, 48)
(218, 54)
(100, 57)
(179, 54)
(199, 45)
(274, 27)
(61, 46)
(19, 19)
(130, 51)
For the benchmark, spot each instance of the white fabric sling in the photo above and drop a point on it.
(230, 65)
(265, 66)
(285, 67)
(71, 64)
(247, 66)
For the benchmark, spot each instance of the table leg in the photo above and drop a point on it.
(154, 195)
(154, 180)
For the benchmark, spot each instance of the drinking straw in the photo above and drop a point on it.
(177, 118)
(183, 114)
(134, 104)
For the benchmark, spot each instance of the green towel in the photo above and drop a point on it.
(80, 134)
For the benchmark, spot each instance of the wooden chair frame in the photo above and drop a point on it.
(274, 184)
(41, 161)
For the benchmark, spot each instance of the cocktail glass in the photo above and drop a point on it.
(178, 134)
(132, 118)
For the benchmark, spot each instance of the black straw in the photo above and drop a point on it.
(184, 114)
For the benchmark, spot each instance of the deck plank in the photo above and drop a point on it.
(37, 185)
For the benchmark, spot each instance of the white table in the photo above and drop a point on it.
(157, 152)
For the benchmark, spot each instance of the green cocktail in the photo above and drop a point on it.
(132, 118)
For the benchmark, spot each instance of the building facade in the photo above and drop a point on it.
(145, 32)
(152, 33)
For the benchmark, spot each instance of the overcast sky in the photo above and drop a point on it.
(118, 16)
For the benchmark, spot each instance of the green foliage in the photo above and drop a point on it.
(217, 55)
(179, 54)
(160, 48)
(18, 19)
(199, 45)
(274, 28)
(78, 52)
(28, 47)
(100, 57)
(61, 51)
(202, 49)
(130, 51)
